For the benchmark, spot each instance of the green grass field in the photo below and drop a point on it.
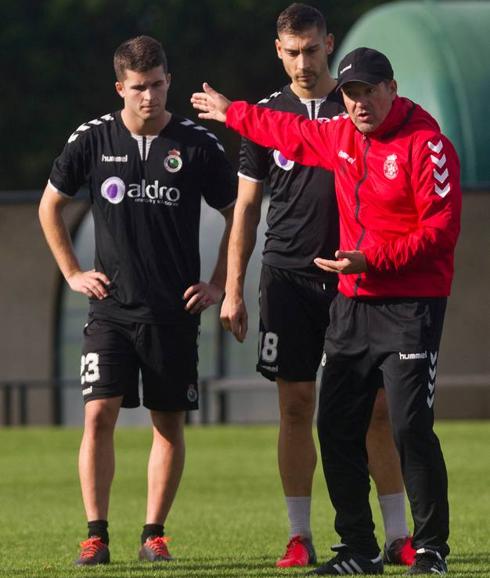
(228, 519)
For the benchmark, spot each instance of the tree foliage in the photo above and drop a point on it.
(58, 72)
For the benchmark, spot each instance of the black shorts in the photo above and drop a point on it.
(114, 353)
(294, 314)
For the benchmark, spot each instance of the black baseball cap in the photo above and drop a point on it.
(364, 65)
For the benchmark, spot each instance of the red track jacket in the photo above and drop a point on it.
(398, 191)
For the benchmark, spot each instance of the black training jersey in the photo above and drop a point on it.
(146, 200)
(303, 217)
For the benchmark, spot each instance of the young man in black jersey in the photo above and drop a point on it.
(295, 295)
(147, 170)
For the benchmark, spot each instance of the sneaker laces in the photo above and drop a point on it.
(293, 542)
(158, 544)
(91, 546)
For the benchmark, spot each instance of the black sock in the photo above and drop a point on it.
(99, 528)
(151, 530)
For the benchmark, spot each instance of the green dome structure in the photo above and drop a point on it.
(440, 52)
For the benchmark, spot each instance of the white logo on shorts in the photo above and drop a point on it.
(192, 394)
(324, 359)
(408, 356)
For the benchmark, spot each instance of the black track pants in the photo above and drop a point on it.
(401, 338)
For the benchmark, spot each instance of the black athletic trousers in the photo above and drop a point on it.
(400, 338)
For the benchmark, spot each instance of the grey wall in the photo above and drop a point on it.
(29, 287)
(30, 282)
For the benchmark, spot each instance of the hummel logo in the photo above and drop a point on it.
(442, 192)
(436, 148)
(439, 162)
(441, 177)
(113, 159)
(87, 390)
(405, 356)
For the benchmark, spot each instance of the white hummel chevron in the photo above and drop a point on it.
(431, 387)
(441, 177)
(273, 95)
(88, 125)
(435, 147)
(442, 192)
(430, 400)
(433, 357)
(189, 122)
(432, 372)
(439, 162)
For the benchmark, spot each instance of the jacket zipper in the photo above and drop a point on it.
(358, 208)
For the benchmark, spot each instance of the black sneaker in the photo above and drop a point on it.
(155, 549)
(400, 552)
(93, 552)
(348, 562)
(428, 562)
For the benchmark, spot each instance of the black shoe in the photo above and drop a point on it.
(155, 549)
(428, 562)
(348, 562)
(93, 552)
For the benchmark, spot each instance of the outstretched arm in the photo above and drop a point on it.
(212, 104)
(305, 141)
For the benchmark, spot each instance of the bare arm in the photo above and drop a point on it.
(202, 295)
(243, 235)
(90, 283)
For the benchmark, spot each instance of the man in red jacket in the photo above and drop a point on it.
(397, 181)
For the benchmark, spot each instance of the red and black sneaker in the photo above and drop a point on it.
(93, 552)
(299, 552)
(155, 549)
(400, 552)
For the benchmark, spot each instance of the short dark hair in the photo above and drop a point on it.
(140, 54)
(300, 17)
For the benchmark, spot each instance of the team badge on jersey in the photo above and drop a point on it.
(192, 394)
(282, 162)
(113, 189)
(173, 162)
(391, 167)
